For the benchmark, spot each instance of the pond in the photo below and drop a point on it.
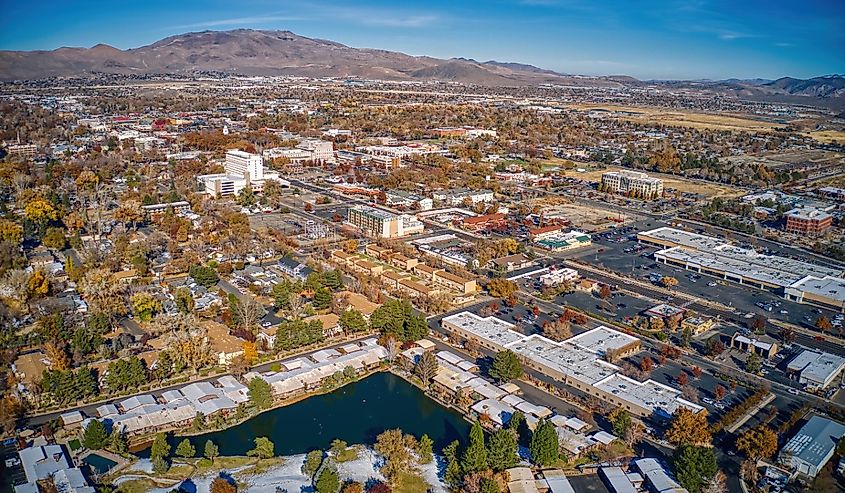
(99, 464)
(355, 413)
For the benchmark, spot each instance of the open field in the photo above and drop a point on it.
(684, 118)
(827, 136)
(588, 218)
(707, 189)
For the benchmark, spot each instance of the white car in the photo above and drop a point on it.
(793, 391)
(749, 315)
(712, 284)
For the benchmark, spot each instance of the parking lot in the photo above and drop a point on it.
(620, 252)
(12, 470)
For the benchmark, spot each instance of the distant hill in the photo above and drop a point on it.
(254, 52)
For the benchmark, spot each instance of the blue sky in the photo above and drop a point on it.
(667, 39)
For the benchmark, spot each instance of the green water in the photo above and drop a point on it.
(356, 413)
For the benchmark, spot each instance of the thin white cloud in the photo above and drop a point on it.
(241, 21)
(411, 21)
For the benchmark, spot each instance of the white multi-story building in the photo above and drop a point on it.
(242, 169)
(321, 150)
(459, 195)
(625, 181)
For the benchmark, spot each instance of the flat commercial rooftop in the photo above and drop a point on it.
(718, 255)
(600, 339)
(566, 359)
(815, 441)
(661, 398)
(816, 366)
(489, 328)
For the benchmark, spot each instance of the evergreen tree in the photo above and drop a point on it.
(186, 449)
(694, 466)
(425, 449)
(519, 426)
(474, 458)
(117, 442)
(506, 366)
(490, 485)
(95, 436)
(545, 448)
(210, 451)
(159, 452)
(452, 476)
(322, 299)
(264, 448)
(260, 393)
(502, 450)
(328, 481)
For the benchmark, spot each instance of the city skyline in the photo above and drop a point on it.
(673, 40)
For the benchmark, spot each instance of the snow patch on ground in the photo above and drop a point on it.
(288, 475)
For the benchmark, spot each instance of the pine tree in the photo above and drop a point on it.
(502, 450)
(424, 449)
(474, 458)
(117, 442)
(186, 449)
(452, 476)
(545, 448)
(95, 436)
(159, 452)
(210, 451)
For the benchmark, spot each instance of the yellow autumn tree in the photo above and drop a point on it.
(688, 428)
(250, 352)
(38, 284)
(10, 231)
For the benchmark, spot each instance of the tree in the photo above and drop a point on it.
(474, 458)
(668, 282)
(715, 346)
(688, 428)
(544, 447)
(352, 321)
(506, 366)
(328, 481)
(313, 461)
(694, 466)
(501, 288)
(260, 393)
(184, 300)
(604, 292)
(719, 392)
(519, 425)
(210, 451)
(160, 448)
(760, 442)
(145, 305)
(54, 238)
(204, 275)
(186, 449)
(322, 299)
(502, 450)
(753, 363)
(717, 484)
(117, 442)
(221, 485)
(95, 436)
(426, 367)
(425, 449)
(824, 324)
(682, 378)
(393, 446)
(621, 421)
(452, 475)
(264, 448)
(38, 284)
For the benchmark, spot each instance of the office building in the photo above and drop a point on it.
(383, 224)
(635, 182)
(241, 170)
(321, 150)
(809, 450)
(459, 196)
(807, 221)
(815, 370)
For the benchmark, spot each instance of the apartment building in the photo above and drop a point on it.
(625, 181)
(383, 224)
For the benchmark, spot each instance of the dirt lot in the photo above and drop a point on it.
(580, 216)
(709, 190)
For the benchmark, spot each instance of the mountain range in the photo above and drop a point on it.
(257, 52)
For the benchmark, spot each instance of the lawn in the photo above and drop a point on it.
(411, 483)
(74, 444)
